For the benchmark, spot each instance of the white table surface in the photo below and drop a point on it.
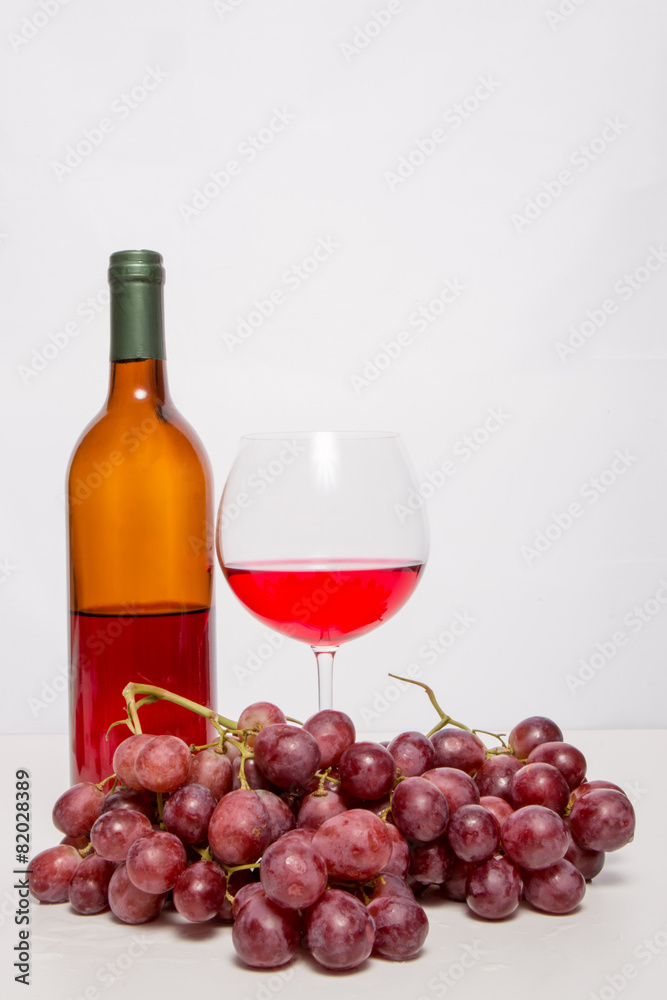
(615, 944)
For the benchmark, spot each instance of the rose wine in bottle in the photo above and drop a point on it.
(140, 502)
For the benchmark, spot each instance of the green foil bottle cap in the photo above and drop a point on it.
(136, 278)
(136, 265)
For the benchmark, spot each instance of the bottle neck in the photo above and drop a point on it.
(143, 381)
(137, 323)
(138, 367)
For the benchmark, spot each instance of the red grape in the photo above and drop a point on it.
(339, 930)
(80, 843)
(430, 864)
(334, 732)
(51, 872)
(590, 786)
(292, 873)
(500, 808)
(115, 831)
(496, 774)
(239, 829)
(213, 770)
(199, 891)
(281, 817)
(557, 889)
(127, 798)
(354, 845)
(413, 753)
(367, 771)
(302, 834)
(494, 889)
(235, 883)
(77, 809)
(318, 807)
(589, 863)
(245, 893)
(163, 763)
(124, 759)
(399, 860)
(260, 714)
(419, 809)
(387, 884)
(287, 755)
(130, 904)
(264, 934)
(330, 784)
(401, 926)
(530, 732)
(155, 861)
(540, 785)
(455, 884)
(603, 820)
(458, 748)
(89, 886)
(534, 837)
(253, 775)
(570, 762)
(473, 833)
(458, 787)
(187, 813)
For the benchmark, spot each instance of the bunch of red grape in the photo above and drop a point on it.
(301, 835)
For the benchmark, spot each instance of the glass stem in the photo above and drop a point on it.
(325, 657)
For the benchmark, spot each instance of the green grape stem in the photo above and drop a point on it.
(203, 852)
(445, 720)
(242, 746)
(230, 869)
(130, 691)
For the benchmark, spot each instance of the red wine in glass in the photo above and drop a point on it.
(324, 605)
(314, 538)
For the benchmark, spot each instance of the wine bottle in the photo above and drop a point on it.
(140, 503)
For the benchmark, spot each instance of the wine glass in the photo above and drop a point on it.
(317, 537)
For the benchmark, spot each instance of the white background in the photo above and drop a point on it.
(360, 97)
